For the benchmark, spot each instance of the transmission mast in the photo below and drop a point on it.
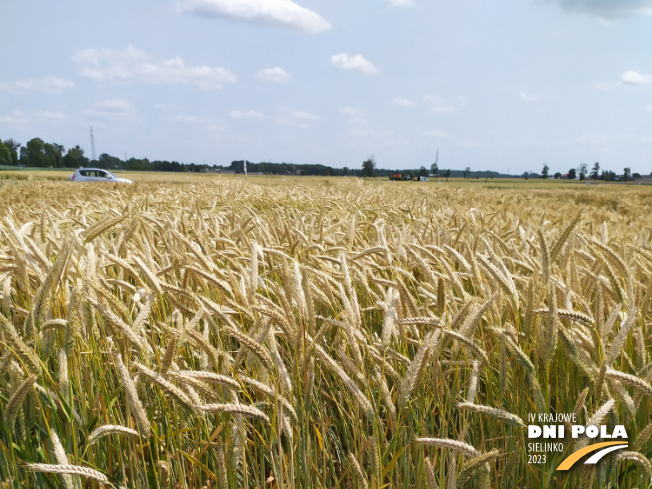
(92, 145)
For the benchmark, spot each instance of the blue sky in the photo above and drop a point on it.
(502, 84)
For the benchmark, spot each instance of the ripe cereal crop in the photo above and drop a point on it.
(351, 334)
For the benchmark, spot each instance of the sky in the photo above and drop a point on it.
(505, 85)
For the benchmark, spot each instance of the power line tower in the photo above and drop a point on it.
(92, 145)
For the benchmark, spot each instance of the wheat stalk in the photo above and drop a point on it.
(631, 380)
(17, 399)
(454, 445)
(493, 412)
(357, 470)
(235, 409)
(133, 400)
(167, 386)
(638, 458)
(109, 429)
(69, 469)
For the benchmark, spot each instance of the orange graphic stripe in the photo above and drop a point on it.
(575, 456)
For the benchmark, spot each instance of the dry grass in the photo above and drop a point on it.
(330, 333)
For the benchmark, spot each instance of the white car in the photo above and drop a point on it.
(96, 175)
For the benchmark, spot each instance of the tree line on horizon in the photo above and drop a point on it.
(581, 173)
(37, 153)
(40, 154)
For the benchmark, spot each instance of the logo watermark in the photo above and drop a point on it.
(547, 433)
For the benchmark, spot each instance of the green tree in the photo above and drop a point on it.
(369, 167)
(135, 164)
(13, 147)
(448, 174)
(33, 153)
(572, 174)
(557, 176)
(53, 155)
(434, 169)
(467, 172)
(582, 169)
(423, 172)
(110, 162)
(5, 155)
(545, 172)
(75, 158)
(595, 172)
(627, 172)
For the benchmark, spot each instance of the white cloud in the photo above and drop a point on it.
(631, 79)
(247, 115)
(526, 97)
(14, 118)
(279, 13)
(344, 61)
(635, 78)
(607, 9)
(109, 65)
(48, 84)
(111, 109)
(275, 75)
(401, 3)
(403, 102)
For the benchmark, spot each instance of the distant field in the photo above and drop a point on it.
(174, 177)
(169, 177)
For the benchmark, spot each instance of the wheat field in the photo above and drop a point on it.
(356, 335)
